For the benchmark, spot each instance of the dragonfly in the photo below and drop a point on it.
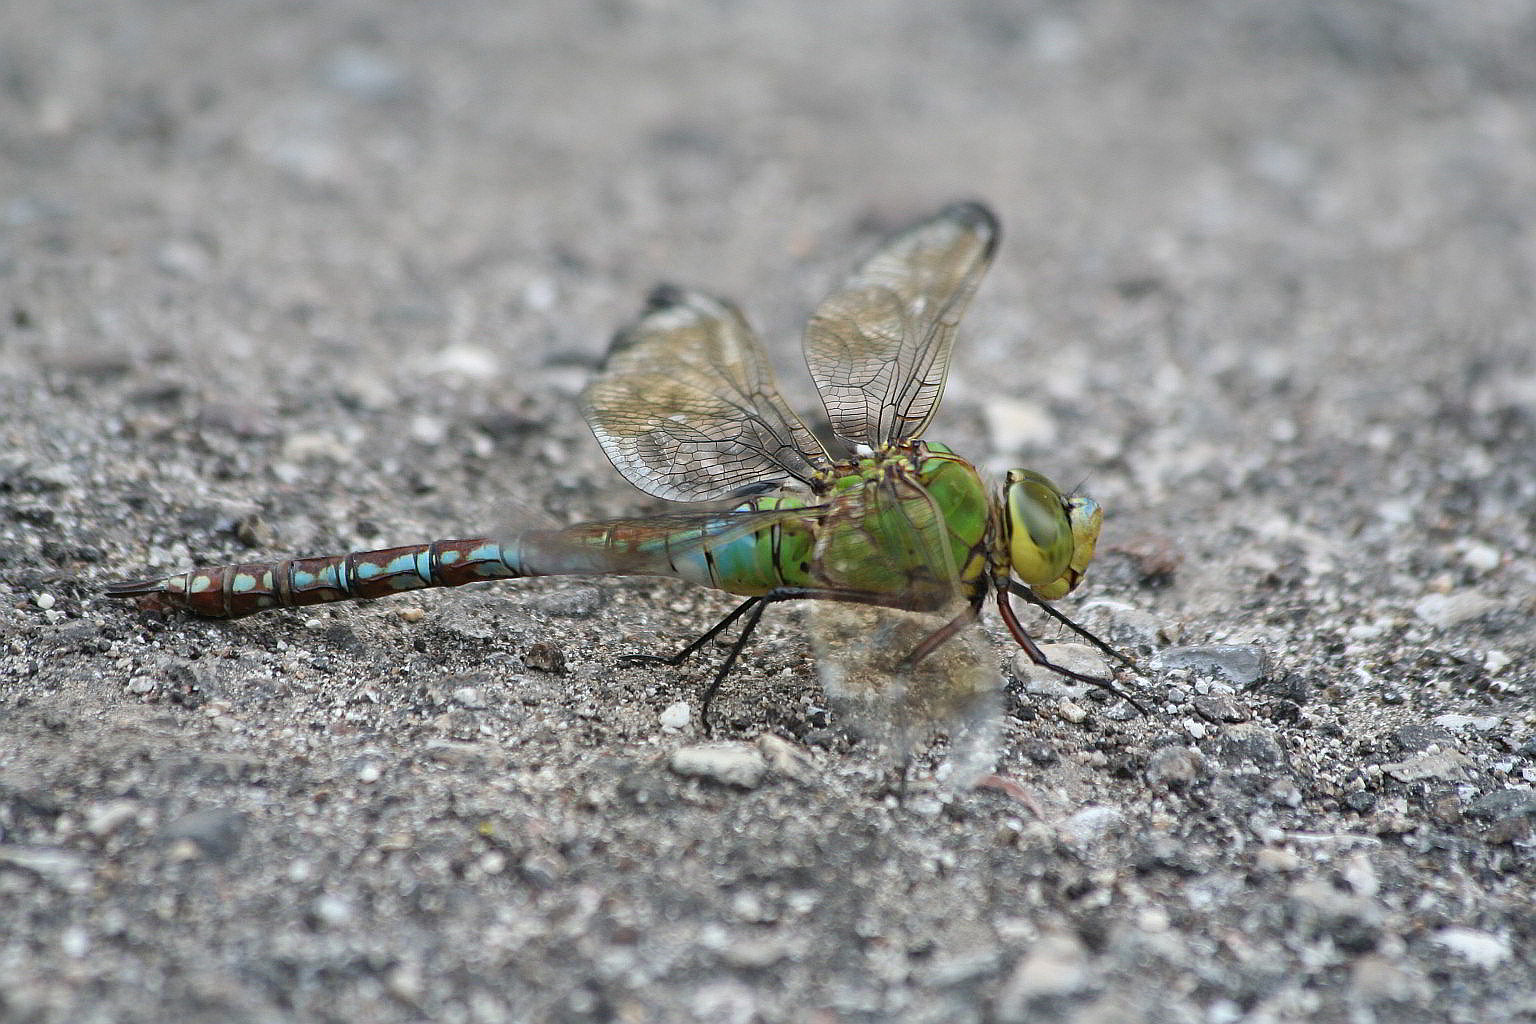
(896, 540)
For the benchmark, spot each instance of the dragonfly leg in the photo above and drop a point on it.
(1037, 656)
(752, 607)
(1019, 590)
(756, 606)
(674, 660)
(940, 636)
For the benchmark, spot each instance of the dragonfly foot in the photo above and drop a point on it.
(637, 660)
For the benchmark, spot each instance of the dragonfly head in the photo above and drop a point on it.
(1050, 535)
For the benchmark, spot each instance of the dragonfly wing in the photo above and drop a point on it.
(878, 347)
(686, 406)
(865, 650)
(956, 690)
(657, 545)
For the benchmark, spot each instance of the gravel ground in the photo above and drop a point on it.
(298, 278)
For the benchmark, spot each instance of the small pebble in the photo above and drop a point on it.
(733, 764)
(1481, 557)
(1175, 767)
(74, 942)
(1041, 681)
(1071, 712)
(1090, 824)
(428, 430)
(544, 656)
(1239, 664)
(784, 757)
(468, 697)
(404, 982)
(1055, 966)
(1251, 745)
(467, 360)
(43, 600)
(1481, 948)
(53, 477)
(1221, 708)
(1474, 723)
(332, 911)
(1019, 424)
(106, 818)
(1504, 803)
(66, 869)
(1444, 765)
(1446, 610)
(1377, 979)
(1272, 859)
(675, 717)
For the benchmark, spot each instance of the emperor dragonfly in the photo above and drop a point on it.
(687, 409)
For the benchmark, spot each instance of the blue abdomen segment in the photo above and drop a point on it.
(741, 551)
(234, 591)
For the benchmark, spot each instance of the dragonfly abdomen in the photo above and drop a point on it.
(741, 551)
(710, 552)
(234, 591)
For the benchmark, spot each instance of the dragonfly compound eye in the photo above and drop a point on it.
(1040, 543)
(1086, 517)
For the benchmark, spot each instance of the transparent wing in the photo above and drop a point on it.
(686, 405)
(656, 545)
(864, 650)
(878, 347)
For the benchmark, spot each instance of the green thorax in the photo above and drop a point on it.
(906, 523)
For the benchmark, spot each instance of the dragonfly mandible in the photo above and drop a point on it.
(687, 409)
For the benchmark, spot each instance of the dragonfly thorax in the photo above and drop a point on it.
(1050, 536)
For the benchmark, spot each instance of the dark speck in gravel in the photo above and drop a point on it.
(545, 657)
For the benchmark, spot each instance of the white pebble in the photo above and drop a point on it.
(735, 764)
(332, 911)
(675, 717)
(74, 942)
(1481, 948)
(468, 696)
(1481, 557)
(1071, 712)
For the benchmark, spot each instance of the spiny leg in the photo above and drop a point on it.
(674, 660)
(753, 617)
(752, 608)
(1037, 656)
(1019, 590)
